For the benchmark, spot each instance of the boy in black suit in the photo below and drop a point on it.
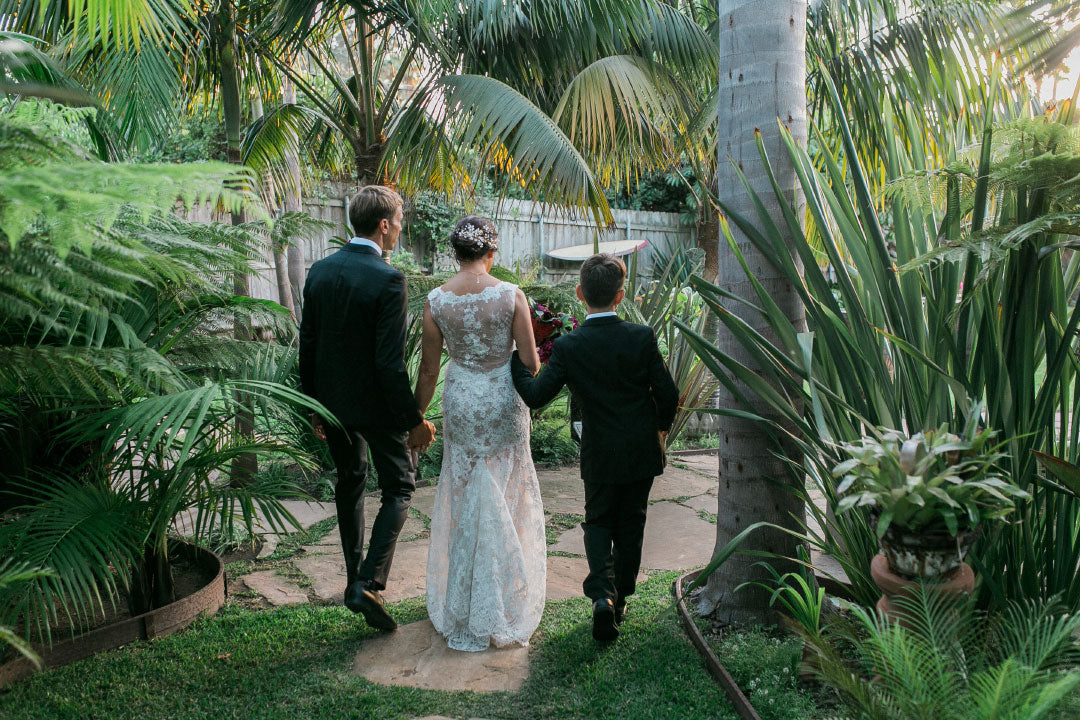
(628, 404)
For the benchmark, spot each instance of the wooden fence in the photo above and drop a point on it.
(527, 231)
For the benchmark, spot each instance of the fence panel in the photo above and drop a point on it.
(527, 231)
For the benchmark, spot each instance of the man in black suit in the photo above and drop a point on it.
(628, 404)
(352, 343)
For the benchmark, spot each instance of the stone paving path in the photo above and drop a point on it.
(679, 535)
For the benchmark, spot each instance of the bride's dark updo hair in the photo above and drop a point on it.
(473, 237)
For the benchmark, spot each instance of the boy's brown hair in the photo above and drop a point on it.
(371, 204)
(602, 277)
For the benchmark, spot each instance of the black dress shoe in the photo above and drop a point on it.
(368, 603)
(620, 611)
(604, 628)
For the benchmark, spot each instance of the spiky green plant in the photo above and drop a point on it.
(961, 299)
(657, 301)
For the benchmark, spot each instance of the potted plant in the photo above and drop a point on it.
(927, 493)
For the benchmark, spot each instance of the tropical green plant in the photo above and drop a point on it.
(798, 593)
(656, 301)
(965, 297)
(11, 574)
(428, 221)
(493, 90)
(934, 481)
(116, 378)
(941, 659)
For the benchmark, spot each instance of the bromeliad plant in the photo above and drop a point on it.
(932, 482)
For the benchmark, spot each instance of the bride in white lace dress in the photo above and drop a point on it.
(487, 564)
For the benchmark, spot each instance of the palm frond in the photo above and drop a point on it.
(618, 111)
(83, 532)
(28, 72)
(51, 194)
(271, 148)
(513, 135)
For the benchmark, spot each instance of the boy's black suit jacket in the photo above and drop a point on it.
(627, 395)
(352, 340)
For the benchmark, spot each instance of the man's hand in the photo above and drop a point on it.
(318, 428)
(421, 436)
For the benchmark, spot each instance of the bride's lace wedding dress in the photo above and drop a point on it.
(486, 568)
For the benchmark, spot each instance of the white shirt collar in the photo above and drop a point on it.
(369, 243)
(600, 315)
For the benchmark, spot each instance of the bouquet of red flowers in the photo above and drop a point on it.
(548, 325)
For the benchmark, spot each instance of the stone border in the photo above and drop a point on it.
(157, 623)
(743, 708)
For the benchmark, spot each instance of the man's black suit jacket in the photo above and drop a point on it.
(352, 340)
(627, 395)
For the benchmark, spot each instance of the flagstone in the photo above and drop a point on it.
(705, 464)
(701, 503)
(327, 575)
(416, 655)
(407, 573)
(276, 589)
(678, 482)
(562, 491)
(676, 538)
(423, 500)
(269, 545)
(305, 513)
(565, 575)
(308, 513)
(411, 530)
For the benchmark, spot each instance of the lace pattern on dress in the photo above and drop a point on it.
(486, 568)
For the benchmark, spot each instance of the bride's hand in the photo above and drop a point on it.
(421, 436)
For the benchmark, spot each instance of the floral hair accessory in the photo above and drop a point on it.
(479, 236)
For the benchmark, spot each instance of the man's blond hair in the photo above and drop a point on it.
(371, 204)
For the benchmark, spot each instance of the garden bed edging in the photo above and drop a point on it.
(157, 623)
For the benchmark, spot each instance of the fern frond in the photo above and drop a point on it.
(80, 375)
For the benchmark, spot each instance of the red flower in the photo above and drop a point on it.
(542, 331)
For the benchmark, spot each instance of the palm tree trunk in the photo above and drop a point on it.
(708, 232)
(369, 156)
(245, 466)
(152, 583)
(762, 78)
(281, 271)
(293, 203)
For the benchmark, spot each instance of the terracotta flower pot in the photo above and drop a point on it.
(893, 586)
(926, 555)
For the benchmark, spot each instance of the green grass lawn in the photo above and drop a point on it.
(295, 663)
